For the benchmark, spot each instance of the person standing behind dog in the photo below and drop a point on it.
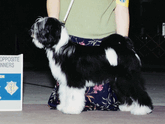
(89, 21)
(92, 18)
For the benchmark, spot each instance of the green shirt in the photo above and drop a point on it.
(89, 18)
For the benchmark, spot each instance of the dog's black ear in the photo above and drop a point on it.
(45, 38)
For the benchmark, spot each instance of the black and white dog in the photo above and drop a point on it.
(75, 67)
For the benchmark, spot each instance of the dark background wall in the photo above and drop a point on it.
(17, 17)
(147, 17)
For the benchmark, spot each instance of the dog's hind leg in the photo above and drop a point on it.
(126, 103)
(132, 88)
(75, 100)
(142, 103)
(141, 100)
(138, 107)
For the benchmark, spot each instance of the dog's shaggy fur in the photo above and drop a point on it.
(75, 67)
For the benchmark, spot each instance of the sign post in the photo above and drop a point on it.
(11, 82)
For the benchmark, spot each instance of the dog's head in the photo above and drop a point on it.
(46, 32)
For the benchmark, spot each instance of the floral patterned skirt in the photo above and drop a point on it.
(99, 97)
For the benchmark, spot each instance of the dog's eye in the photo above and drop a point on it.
(119, 43)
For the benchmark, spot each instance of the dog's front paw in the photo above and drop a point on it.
(71, 110)
(60, 107)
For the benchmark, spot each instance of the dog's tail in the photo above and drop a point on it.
(116, 41)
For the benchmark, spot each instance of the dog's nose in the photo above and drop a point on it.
(31, 32)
